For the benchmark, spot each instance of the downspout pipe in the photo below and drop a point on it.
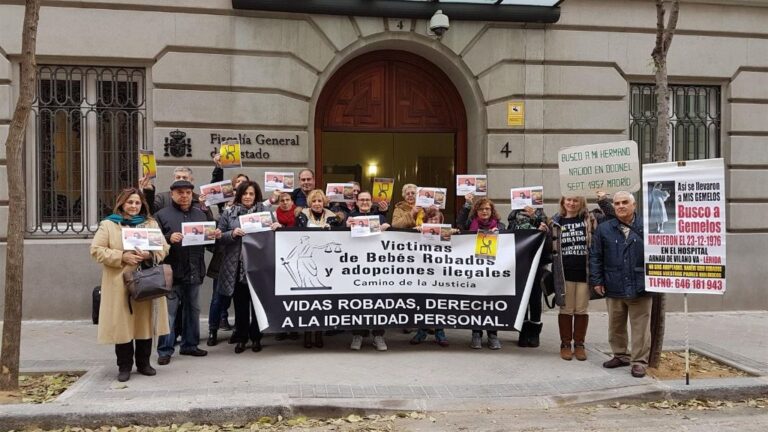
(407, 9)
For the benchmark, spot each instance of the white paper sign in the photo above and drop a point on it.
(218, 192)
(684, 227)
(476, 184)
(340, 192)
(256, 222)
(278, 181)
(531, 196)
(436, 233)
(148, 239)
(198, 233)
(608, 167)
(430, 196)
(364, 226)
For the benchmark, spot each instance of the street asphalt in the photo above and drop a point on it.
(287, 379)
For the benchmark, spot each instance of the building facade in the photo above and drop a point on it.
(350, 95)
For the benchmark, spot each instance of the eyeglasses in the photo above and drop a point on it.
(364, 199)
(485, 209)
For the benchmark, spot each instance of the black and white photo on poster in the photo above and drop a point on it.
(319, 280)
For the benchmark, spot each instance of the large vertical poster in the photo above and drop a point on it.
(684, 217)
(319, 279)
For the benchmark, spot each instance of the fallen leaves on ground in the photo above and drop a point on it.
(39, 389)
(672, 366)
(695, 404)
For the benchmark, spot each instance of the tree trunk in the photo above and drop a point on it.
(661, 151)
(14, 265)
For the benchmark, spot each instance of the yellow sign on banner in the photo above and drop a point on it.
(148, 163)
(383, 189)
(486, 244)
(516, 113)
(230, 155)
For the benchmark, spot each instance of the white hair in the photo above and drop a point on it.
(625, 194)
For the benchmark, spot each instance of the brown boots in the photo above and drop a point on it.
(565, 323)
(572, 328)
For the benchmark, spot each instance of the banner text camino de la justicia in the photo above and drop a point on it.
(318, 280)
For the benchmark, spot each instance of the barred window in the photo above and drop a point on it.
(87, 126)
(694, 121)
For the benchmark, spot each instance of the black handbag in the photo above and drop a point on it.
(149, 283)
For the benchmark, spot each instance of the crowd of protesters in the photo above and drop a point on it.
(587, 255)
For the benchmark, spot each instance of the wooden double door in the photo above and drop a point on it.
(394, 110)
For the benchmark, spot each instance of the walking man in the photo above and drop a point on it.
(616, 271)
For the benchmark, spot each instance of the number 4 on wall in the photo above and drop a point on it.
(505, 150)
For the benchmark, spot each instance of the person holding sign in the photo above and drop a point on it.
(522, 219)
(364, 207)
(480, 215)
(316, 216)
(616, 270)
(232, 281)
(572, 229)
(188, 263)
(407, 214)
(122, 322)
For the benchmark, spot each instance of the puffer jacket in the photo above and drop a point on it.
(617, 263)
(231, 246)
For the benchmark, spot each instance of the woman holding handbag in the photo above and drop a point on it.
(126, 323)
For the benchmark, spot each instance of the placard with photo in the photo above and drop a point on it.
(146, 239)
(278, 181)
(531, 196)
(364, 226)
(430, 196)
(340, 192)
(218, 192)
(256, 222)
(198, 233)
(476, 184)
(436, 233)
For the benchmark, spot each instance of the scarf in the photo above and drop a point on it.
(131, 222)
(478, 225)
(287, 218)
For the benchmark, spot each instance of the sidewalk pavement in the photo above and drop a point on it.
(287, 379)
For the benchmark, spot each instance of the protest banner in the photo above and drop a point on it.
(230, 155)
(608, 167)
(318, 280)
(684, 224)
(148, 163)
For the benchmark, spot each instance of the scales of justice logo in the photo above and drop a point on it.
(301, 266)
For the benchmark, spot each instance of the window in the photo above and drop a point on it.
(87, 126)
(694, 121)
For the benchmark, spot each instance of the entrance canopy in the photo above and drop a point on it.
(540, 11)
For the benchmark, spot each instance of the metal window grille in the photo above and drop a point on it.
(694, 121)
(88, 124)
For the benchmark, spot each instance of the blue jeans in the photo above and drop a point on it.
(217, 312)
(187, 295)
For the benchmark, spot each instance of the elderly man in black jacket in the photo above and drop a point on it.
(616, 271)
(188, 263)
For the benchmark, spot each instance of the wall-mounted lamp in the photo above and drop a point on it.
(373, 169)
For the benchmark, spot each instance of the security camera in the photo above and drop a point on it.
(439, 24)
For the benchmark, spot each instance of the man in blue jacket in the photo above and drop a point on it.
(616, 271)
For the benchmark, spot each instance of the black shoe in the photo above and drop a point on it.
(197, 352)
(124, 375)
(163, 360)
(256, 347)
(146, 370)
(239, 347)
(212, 338)
(225, 325)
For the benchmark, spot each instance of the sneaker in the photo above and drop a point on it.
(477, 341)
(357, 342)
(419, 337)
(493, 342)
(379, 344)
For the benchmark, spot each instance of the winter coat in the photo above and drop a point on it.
(558, 273)
(328, 220)
(117, 324)
(230, 248)
(188, 262)
(401, 217)
(299, 197)
(618, 263)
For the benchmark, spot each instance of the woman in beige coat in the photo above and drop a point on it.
(120, 324)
